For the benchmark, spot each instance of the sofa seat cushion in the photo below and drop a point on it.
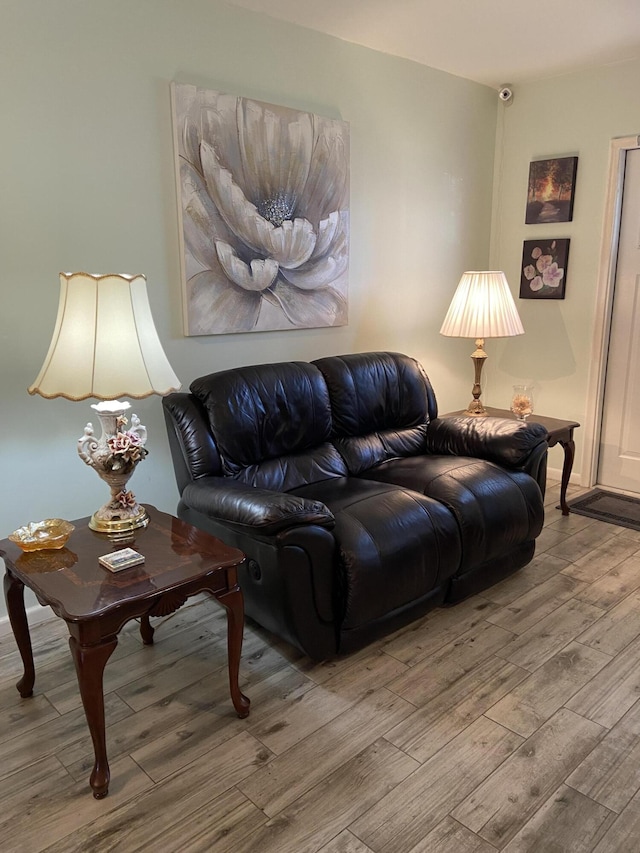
(395, 546)
(496, 510)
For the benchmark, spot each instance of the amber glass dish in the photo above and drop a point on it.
(52, 533)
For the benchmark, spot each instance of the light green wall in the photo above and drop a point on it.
(577, 114)
(87, 184)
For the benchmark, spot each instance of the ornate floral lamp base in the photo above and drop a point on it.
(114, 456)
(120, 527)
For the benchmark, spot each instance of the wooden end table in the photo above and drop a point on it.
(558, 432)
(180, 561)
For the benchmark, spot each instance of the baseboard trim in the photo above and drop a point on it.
(556, 474)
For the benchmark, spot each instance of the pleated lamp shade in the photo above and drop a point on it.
(482, 307)
(105, 344)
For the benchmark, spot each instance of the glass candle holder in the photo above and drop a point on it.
(522, 401)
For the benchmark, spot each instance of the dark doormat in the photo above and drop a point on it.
(607, 506)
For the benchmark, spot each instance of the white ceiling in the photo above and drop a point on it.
(490, 41)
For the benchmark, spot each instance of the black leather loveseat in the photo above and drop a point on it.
(357, 507)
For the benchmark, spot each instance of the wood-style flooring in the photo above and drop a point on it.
(508, 722)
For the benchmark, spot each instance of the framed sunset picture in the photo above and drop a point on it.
(551, 190)
(543, 272)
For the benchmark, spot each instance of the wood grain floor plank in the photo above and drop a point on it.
(18, 715)
(540, 643)
(291, 775)
(567, 822)
(356, 681)
(154, 722)
(437, 629)
(540, 569)
(321, 671)
(219, 825)
(499, 807)
(402, 818)
(613, 691)
(616, 585)
(58, 735)
(260, 660)
(47, 639)
(574, 523)
(318, 815)
(177, 673)
(195, 733)
(424, 732)
(600, 560)
(527, 611)
(345, 842)
(549, 538)
(44, 812)
(429, 677)
(140, 823)
(628, 533)
(532, 701)
(610, 774)
(54, 668)
(142, 662)
(309, 710)
(451, 837)
(624, 833)
(586, 540)
(616, 628)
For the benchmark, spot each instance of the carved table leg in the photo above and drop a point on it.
(146, 631)
(569, 453)
(234, 604)
(14, 596)
(90, 662)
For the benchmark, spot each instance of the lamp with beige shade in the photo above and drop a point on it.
(482, 307)
(105, 345)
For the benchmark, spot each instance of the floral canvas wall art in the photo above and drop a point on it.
(264, 209)
(551, 190)
(543, 273)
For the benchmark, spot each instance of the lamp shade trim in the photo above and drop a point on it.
(105, 344)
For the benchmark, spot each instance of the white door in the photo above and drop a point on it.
(619, 454)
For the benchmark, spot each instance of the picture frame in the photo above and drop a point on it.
(551, 190)
(543, 272)
(263, 206)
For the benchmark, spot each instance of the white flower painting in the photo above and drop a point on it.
(264, 203)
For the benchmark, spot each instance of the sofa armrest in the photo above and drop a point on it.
(502, 440)
(254, 510)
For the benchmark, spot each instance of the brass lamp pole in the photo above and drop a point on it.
(479, 357)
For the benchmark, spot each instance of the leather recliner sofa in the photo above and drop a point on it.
(357, 507)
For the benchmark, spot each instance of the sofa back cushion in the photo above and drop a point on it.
(381, 402)
(271, 424)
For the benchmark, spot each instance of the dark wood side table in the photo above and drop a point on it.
(180, 561)
(558, 432)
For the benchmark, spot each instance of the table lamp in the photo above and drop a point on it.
(105, 345)
(482, 307)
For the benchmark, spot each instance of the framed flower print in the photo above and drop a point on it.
(263, 198)
(543, 273)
